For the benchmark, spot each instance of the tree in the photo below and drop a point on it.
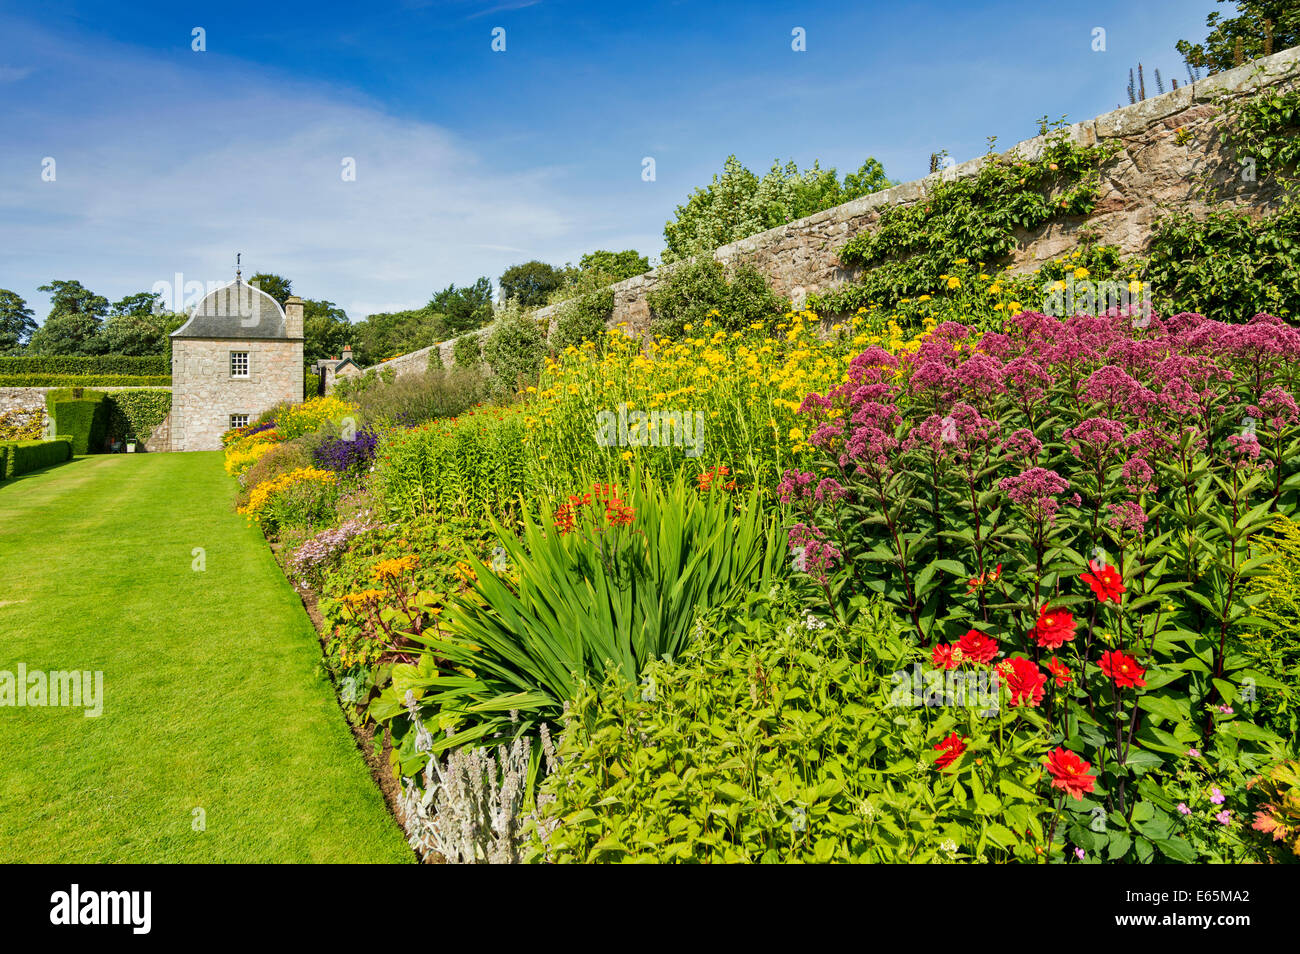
(616, 265)
(531, 283)
(1260, 27)
(325, 329)
(514, 349)
(738, 203)
(464, 309)
(136, 326)
(276, 286)
(74, 324)
(386, 335)
(16, 322)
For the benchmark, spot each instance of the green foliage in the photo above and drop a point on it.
(22, 457)
(582, 319)
(467, 352)
(530, 283)
(416, 398)
(82, 365)
(614, 266)
(739, 204)
(591, 589)
(277, 286)
(84, 420)
(701, 288)
(975, 218)
(1260, 27)
(325, 330)
(1230, 266)
(464, 309)
(74, 323)
(16, 321)
(386, 335)
(1266, 129)
(514, 349)
(84, 381)
(132, 415)
(1270, 640)
(472, 466)
(780, 739)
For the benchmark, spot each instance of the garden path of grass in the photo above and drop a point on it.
(213, 698)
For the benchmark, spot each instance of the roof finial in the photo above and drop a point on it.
(237, 257)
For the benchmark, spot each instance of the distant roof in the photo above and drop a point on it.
(236, 310)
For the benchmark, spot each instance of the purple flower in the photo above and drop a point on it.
(1216, 796)
(1035, 490)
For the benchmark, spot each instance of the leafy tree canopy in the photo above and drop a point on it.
(463, 309)
(277, 286)
(738, 203)
(531, 283)
(1259, 28)
(16, 321)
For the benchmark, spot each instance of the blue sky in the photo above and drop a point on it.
(169, 160)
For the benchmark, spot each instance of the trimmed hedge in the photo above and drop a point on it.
(85, 381)
(134, 414)
(21, 457)
(82, 365)
(84, 420)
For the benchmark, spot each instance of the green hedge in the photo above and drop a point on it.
(21, 457)
(84, 420)
(85, 380)
(81, 365)
(134, 414)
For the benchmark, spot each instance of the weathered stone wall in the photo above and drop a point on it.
(1168, 144)
(205, 395)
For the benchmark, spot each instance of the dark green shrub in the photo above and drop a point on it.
(583, 319)
(514, 350)
(1229, 267)
(84, 381)
(23, 457)
(695, 290)
(132, 415)
(84, 420)
(467, 352)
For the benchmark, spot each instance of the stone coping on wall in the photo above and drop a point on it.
(824, 231)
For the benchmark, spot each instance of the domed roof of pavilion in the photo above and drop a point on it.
(236, 310)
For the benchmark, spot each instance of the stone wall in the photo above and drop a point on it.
(205, 395)
(1167, 144)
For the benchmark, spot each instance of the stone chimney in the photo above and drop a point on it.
(347, 352)
(293, 317)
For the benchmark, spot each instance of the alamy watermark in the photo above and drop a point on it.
(624, 428)
(77, 689)
(950, 688)
(1075, 296)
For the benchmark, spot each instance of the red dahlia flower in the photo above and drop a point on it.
(978, 647)
(1060, 671)
(1123, 668)
(1054, 628)
(942, 658)
(1107, 585)
(952, 749)
(1070, 773)
(1024, 679)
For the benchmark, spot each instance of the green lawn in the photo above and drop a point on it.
(212, 695)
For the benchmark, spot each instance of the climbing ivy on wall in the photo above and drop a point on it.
(975, 218)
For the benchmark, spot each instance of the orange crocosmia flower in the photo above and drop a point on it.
(1106, 582)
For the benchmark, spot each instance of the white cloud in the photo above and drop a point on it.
(11, 74)
(182, 167)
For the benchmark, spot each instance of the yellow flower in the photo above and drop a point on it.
(954, 282)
